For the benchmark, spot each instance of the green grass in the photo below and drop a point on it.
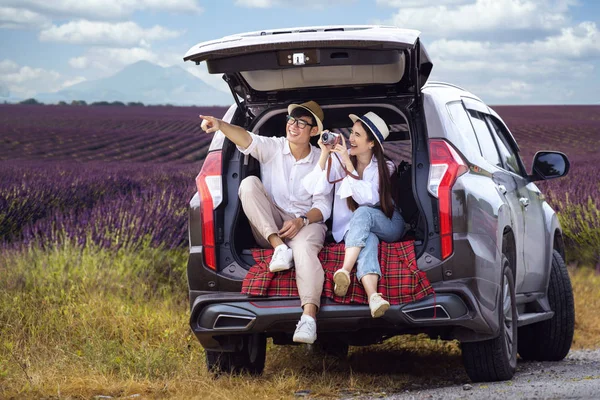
(581, 229)
(77, 323)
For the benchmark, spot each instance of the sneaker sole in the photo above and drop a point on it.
(342, 283)
(379, 311)
(279, 268)
(303, 340)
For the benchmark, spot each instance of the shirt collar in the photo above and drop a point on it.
(308, 158)
(373, 162)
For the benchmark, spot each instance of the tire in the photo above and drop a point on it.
(249, 357)
(551, 340)
(496, 359)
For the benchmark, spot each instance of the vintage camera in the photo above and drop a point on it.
(330, 138)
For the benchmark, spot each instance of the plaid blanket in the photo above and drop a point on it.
(401, 281)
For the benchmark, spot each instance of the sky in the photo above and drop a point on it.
(505, 51)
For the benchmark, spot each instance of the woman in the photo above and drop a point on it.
(363, 209)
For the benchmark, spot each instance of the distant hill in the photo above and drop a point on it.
(144, 82)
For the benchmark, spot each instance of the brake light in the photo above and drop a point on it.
(446, 167)
(210, 189)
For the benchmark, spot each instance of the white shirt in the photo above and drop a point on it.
(282, 175)
(364, 191)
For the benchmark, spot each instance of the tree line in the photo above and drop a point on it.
(84, 103)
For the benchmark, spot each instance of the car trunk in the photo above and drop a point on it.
(346, 69)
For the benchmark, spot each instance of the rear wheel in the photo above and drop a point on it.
(496, 359)
(551, 340)
(249, 356)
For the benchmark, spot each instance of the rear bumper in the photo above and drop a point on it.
(215, 318)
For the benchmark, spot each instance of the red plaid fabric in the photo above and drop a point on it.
(401, 281)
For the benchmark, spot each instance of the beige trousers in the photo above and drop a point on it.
(266, 218)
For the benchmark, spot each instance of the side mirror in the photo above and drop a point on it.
(549, 165)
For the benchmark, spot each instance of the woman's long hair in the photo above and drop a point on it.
(385, 183)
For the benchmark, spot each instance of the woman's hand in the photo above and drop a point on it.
(325, 149)
(342, 151)
(210, 124)
(325, 152)
(290, 228)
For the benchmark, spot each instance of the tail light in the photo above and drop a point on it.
(446, 167)
(210, 189)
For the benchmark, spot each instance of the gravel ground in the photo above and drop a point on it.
(576, 377)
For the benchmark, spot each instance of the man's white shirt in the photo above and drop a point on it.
(282, 175)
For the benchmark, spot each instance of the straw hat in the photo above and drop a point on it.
(375, 124)
(314, 109)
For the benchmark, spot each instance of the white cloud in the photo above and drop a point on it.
(14, 18)
(109, 60)
(571, 45)
(74, 81)
(79, 62)
(25, 81)
(319, 4)
(256, 3)
(485, 16)
(420, 3)
(8, 66)
(582, 40)
(121, 34)
(500, 89)
(103, 9)
(535, 71)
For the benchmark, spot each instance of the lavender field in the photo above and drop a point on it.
(113, 176)
(122, 176)
(93, 290)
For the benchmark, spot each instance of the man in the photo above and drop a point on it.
(281, 212)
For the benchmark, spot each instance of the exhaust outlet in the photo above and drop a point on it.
(437, 312)
(230, 321)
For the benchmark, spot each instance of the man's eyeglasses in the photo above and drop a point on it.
(301, 123)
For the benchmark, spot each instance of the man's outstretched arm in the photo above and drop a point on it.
(236, 134)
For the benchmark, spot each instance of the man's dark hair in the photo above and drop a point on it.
(299, 112)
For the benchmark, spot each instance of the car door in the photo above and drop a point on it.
(531, 205)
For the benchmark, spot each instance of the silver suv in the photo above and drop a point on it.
(490, 244)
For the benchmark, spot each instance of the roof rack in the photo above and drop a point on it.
(310, 29)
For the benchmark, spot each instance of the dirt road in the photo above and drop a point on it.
(576, 377)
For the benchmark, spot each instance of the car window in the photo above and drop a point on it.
(484, 136)
(510, 158)
(459, 116)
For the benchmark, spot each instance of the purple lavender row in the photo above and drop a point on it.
(155, 217)
(33, 191)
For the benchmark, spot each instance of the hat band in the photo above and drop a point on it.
(373, 129)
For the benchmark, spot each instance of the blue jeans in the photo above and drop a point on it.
(367, 226)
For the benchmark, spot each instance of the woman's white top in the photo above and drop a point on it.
(364, 191)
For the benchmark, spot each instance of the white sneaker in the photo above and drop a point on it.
(378, 305)
(341, 278)
(306, 330)
(282, 259)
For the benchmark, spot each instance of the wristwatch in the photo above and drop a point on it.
(305, 220)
